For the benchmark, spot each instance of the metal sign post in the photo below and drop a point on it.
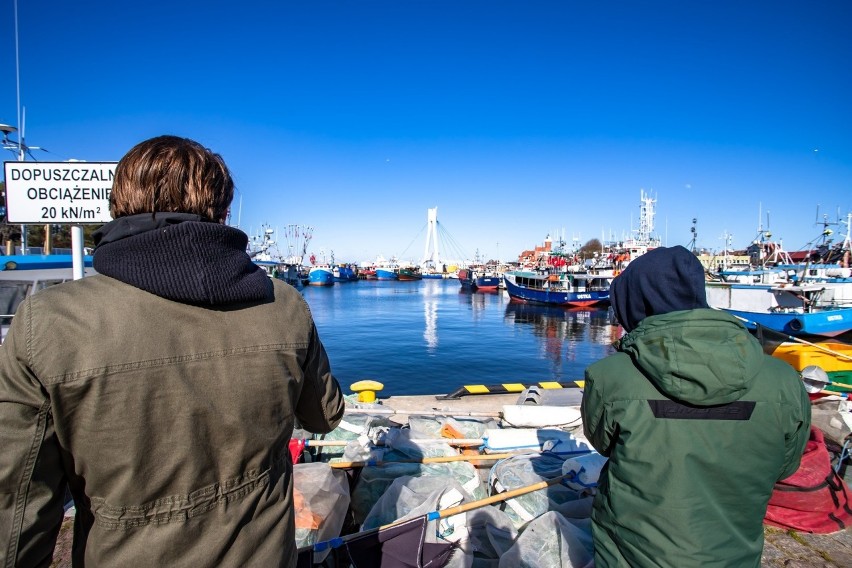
(77, 265)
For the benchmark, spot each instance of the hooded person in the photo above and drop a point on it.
(696, 421)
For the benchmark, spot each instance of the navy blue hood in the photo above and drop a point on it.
(663, 280)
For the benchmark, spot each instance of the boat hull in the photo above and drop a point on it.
(386, 274)
(825, 323)
(518, 293)
(486, 283)
(344, 274)
(320, 277)
(785, 309)
(469, 280)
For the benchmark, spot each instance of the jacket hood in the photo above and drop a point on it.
(663, 280)
(702, 357)
(181, 257)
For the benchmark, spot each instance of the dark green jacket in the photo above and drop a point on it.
(698, 424)
(170, 422)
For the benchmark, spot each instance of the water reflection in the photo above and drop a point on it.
(430, 333)
(479, 301)
(566, 332)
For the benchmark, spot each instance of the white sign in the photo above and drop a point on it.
(40, 193)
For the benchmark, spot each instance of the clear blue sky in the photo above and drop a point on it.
(516, 118)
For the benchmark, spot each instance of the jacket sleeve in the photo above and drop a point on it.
(32, 481)
(321, 404)
(798, 431)
(596, 424)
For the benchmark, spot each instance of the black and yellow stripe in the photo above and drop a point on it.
(507, 388)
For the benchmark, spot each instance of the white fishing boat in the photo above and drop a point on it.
(24, 274)
(263, 251)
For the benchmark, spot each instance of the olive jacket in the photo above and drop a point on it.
(168, 421)
(698, 425)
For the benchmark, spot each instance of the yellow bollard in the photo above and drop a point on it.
(366, 390)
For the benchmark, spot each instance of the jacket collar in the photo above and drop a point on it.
(181, 257)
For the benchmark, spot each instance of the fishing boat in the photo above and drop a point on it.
(22, 275)
(409, 274)
(479, 280)
(382, 269)
(797, 310)
(566, 289)
(494, 475)
(321, 275)
(263, 252)
(345, 273)
(386, 273)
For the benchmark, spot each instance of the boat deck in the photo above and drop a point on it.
(787, 549)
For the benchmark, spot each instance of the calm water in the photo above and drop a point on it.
(430, 337)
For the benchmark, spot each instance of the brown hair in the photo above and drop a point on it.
(170, 174)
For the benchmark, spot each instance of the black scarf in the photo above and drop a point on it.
(180, 257)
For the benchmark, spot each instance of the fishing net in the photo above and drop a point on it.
(552, 541)
(449, 427)
(320, 503)
(481, 535)
(359, 430)
(374, 481)
(528, 469)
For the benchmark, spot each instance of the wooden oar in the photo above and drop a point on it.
(441, 513)
(434, 459)
(433, 412)
(451, 441)
(464, 507)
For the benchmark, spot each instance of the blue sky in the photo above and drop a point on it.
(515, 118)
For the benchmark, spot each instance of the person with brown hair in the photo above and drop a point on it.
(163, 391)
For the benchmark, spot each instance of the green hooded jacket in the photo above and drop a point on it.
(698, 425)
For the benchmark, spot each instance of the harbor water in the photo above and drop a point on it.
(432, 337)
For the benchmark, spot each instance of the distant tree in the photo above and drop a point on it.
(591, 247)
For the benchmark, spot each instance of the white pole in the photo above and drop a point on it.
(18, 86)
(21, 155)
(77, 251)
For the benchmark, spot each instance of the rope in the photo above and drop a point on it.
(845, 452)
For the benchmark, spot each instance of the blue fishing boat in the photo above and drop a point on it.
(826, 323)
(483, 281)
(321, 275)
(386, 273)
(34, 264)
(796, 310)
(558, 289)
(344, 273)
